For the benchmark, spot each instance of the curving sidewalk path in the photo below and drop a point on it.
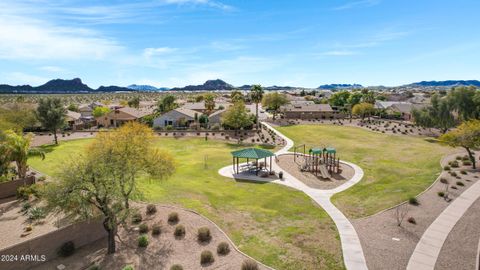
(426, 252)
(353, 256)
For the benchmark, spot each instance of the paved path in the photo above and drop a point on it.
(428, 248)
(353, 256)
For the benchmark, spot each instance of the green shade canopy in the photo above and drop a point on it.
(330, 150)
(316, 151)
(254, 153)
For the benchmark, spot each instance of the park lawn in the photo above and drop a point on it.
(279, 226)
(396, 167)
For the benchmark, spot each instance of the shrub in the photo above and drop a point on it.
(463, 172)
(42, 178)
(143, 228)
(460, 184)
(412, 220)
(249, 264)
(66, 249)
(179, 231)
(151, 209)
(176, 267)
(136, 218)
(156, 229)
(128, 267)
(206, 257)
(446, 168)
(94, 267)
(223, 248)
(454, 174)
(441, 193)
(458, 157)
(467, 163)
(36, 213)
(173, 218)
(454, 187)
(28, 228)
(26, 206)
(24, 192)
(443, 181)
(413, 201)
(466, 158)
(454, 164)
(143, 241)
(204, 234)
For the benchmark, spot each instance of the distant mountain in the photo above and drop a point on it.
(208, 85)
(147, 88)
(59, 86)
(339, 86)
(268, 88)
(113, 88)
(449, 83)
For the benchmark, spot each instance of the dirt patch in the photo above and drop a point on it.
(163, 250)
(389, 246)
(287, 163)
(46, 138)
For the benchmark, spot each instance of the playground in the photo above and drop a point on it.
(316, 166)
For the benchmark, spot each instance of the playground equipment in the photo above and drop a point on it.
(321, 160)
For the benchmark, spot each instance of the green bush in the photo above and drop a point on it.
(460, 184)
(441, 194)
(454, 164)
(223, 248)
(454, 174)
(151, 209)
(173, 218)
(26, 206)
(463, 172)
(143, 228)
(36, 213)
(128, 267)
(446, 168)
(204, 235)
(206, 257)
(143, 240)
(412, 220)
(156, 229)
(176, 267)
(467, 163)
(413, 201)
(137, 218)
(249, 264)
(458, 158)
(179, 231)
(66, 249)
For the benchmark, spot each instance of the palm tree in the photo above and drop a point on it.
(19, 150)
(256, 94)
(209, 101)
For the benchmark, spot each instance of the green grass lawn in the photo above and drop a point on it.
(396, 167)
(281, 227)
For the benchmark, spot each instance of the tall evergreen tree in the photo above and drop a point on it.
(51, 114)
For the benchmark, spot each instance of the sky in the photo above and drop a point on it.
(167, 43)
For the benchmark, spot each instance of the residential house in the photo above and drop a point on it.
(121, 115)
(404, 110)
(307, 110)
(179, 117)
(74, 120)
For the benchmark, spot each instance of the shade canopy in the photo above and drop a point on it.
(317, 151)
(253, 153)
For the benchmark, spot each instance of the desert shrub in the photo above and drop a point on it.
(463, 172)
(467, 163)
(128, 267)
(143, 241)
(204, 235)
(176, 267)
(136, 218)
(413, 201)
(42, 178)
(249, 264)
(206, 257)
(454, 187)
(223, 248)
(24, 192)
(412, 220)
(156, 229)
(443, 181)
(28, 228)
(446, 168)
(173, 218)
(36, 213)
(441, 193)
(94, 267)
(465, 158)
(66, 249)
(460, 184)
(454, 164)
(151, 209)
(179, 231)
(458, 158)
(454, 174)
(26, 206)
(143, 228)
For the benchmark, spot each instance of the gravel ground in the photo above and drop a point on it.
(460, 249)
(286, 163)
(162, 252)
(388, 246)
(41, 139)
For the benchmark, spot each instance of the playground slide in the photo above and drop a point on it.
(324, 172)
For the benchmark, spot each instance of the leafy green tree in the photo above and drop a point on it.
(237, 117)
(134, 102)
(100, 111)
(437, 115)
(368, 97)
(166, 104)
(51, 114)
(73, 107)
(353, 100)
(256, 95)
(467, 136)
(273, 101)
(339, 99)
(209, 100)
(18, 116)
(103, 181)
(462, 100)
(18, 148)
(236, 96)
(363, 109)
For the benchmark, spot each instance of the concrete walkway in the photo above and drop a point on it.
(428, 248)
(353, 256)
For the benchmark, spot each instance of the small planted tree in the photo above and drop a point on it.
(467, 136)
(237, 117)
(363, 109)
(274, 101)
(256, 95)
(400, 212)
(17, 147)
(51, 114)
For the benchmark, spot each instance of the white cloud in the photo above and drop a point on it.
(25, 38)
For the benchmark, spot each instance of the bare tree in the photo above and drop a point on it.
(400, 212)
